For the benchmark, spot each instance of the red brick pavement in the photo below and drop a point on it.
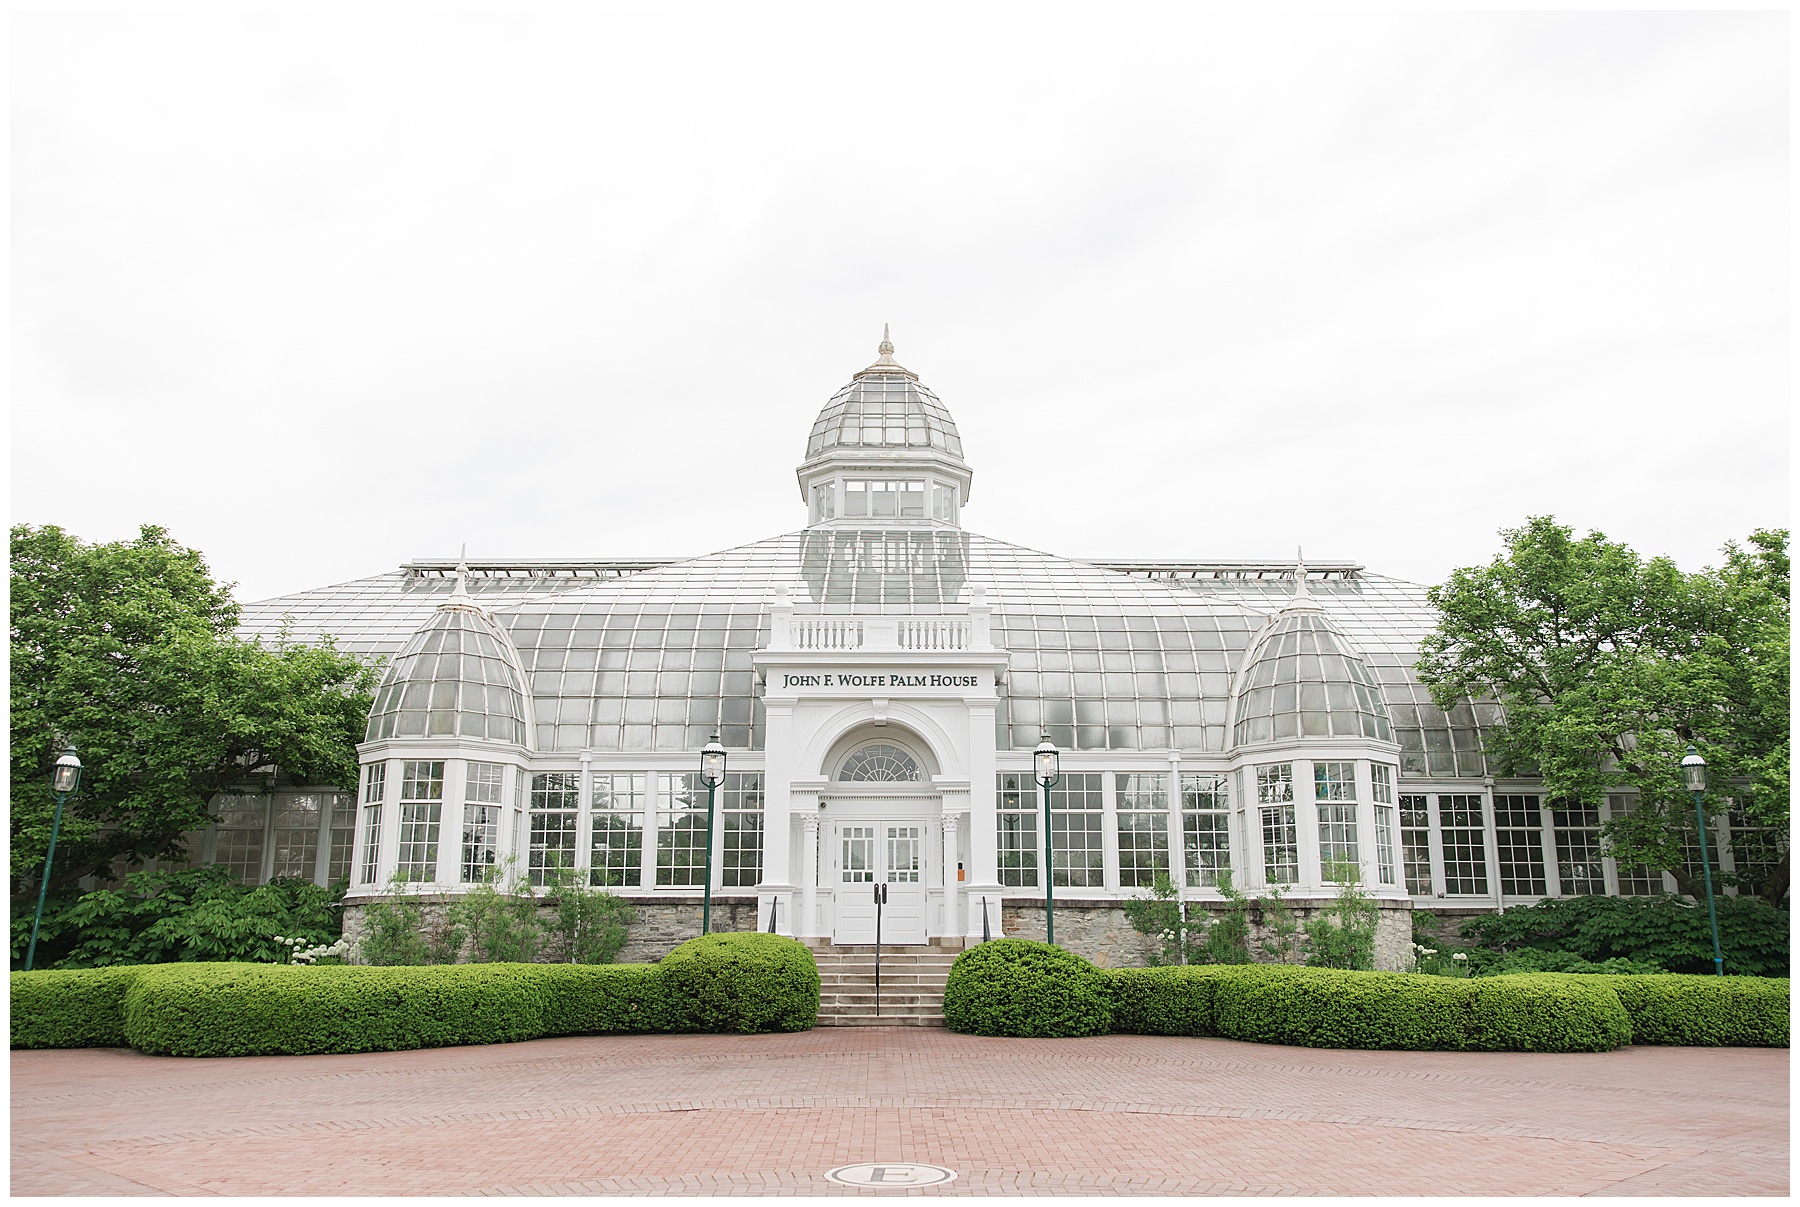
(770, 1114)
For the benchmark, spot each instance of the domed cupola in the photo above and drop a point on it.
(457, 677)
(1305, 680)
(884, 452)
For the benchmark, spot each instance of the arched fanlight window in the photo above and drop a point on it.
(879, 763)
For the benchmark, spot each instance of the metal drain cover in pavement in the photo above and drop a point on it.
(890, 1175)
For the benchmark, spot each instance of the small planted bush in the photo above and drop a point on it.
(741, 982)
(1022, 988)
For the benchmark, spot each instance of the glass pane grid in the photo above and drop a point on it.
(555, 803)
(1415, 840)
(681, 832)
(1465, 855)
(1519, 838)
(1281, 845)
(1580, 871)
(371, 857)
(1384, 843)
(418, 840)
(1076, 820)
(1337, 840)
(742, 800)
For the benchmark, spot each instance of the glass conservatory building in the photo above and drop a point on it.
(880, 678)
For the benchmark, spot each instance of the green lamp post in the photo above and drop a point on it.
(712, 774)
(64, 779)
(1693, 777)
(1046, 762)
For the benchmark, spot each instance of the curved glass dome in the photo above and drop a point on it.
(456, 677)
(884, 406)
(1306, 682)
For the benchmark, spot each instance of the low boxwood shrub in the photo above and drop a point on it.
(1336, 1008)
(1022, 988)
(741, 982)
(1163, 1001)
(76, 1008)
(263, 1009)
(1545, 1012)
(1333, 1008)
(1704, 1011)
(599, 999)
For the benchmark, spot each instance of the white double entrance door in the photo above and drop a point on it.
(869, 855)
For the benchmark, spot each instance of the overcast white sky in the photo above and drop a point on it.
(321, 292)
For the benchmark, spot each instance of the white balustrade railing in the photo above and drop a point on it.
(933, 635)
(964, 629)
(824, 633)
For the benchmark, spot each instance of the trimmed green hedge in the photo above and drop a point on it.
(602, 999)
(737, 982)
(741, 982)
(1018, 987)
(77, 1008)
(272, 1009)
(1704, 1011)
(1529, 1012)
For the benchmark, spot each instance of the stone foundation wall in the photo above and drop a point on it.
(1099, 930)
(662, 925)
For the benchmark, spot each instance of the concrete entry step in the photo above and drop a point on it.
(912, 984)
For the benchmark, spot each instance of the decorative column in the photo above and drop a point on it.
(450, 822)
(809, 875)
(1177, 852)
(984, 854)
(952, 911)
(1306, 825)
(777, 888)
(1491, 841)
(584, 816)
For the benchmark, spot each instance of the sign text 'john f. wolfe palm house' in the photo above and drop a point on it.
(880, 678)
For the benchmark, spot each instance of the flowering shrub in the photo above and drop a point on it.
(300, 953)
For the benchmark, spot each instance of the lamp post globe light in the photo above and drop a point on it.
(1693, 778)
(1046, 769)
(712, 774)
(65, 777)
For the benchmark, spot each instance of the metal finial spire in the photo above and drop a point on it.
(887, 345)
(1299, 573)
(461, 590)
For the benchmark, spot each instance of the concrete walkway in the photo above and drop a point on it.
(689, 1114)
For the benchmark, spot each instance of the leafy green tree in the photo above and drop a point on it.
(593, 924)
(1342, 935)
(1608, 665)
(500, 917)
(126, 649)
(1280, 938)
(1228, 937)
(1159, 915)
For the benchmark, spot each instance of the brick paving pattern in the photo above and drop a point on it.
(769, 1114)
